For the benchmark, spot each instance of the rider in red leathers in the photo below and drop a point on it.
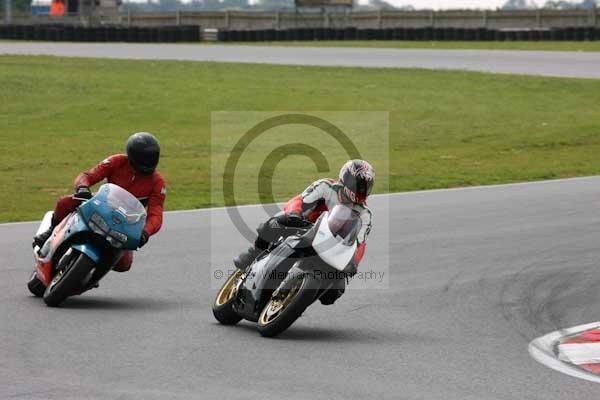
(134, 172)
(352, 188)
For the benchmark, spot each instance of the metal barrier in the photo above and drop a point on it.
(413, 34)
(192, 33)
(72, 33)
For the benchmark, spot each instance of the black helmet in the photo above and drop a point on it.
(358, 178)
(143, 151)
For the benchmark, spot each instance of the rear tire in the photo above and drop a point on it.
(223, 304)
(279, 314)
(77, 269)
(35, 286)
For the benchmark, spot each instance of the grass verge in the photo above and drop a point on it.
(60, 116)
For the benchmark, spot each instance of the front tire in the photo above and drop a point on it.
(223, 304)
(68, 278)
(285, 307)
(35, 286)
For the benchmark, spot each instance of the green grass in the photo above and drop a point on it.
(401, 44)
(60, 116)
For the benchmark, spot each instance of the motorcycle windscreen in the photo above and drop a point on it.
(116, 214)
(125, 203)
(335, 240)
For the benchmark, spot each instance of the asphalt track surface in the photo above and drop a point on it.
(547, 63)
(475, 275)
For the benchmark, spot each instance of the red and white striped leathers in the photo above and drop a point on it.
(322, 195)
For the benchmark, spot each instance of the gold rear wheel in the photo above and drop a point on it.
(223, 305)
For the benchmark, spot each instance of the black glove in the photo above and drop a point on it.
(292, 220)
(143, 239)
(83, 193)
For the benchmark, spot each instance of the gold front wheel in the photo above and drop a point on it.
(276, 306)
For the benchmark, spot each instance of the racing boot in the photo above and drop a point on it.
(333, 293)
(330, 296)
(40, 239)
(243, 260)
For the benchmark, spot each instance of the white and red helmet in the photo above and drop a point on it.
(358, 178)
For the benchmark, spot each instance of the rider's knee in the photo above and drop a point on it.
(124, 263)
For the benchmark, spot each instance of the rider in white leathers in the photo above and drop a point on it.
(352, 188)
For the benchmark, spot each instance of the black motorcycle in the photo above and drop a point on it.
(284, 280)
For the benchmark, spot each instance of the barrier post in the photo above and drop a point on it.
(178, 18)
(432, 18)
(80, 14)
(7, 12)
(346, 15)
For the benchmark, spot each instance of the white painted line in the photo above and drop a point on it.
(542, 350)
(495, 186)
(19, 223)
(394, 194)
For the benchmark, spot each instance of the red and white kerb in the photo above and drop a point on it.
(582, 350)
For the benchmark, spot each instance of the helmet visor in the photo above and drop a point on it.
(144, 162)
(359, 188)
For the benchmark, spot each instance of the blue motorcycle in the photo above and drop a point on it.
(86, 244)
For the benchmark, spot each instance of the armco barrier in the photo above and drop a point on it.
(191, 33)
(186, 33)
(443, 34)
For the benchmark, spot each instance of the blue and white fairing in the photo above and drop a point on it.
(112, 213)
(115, 214)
